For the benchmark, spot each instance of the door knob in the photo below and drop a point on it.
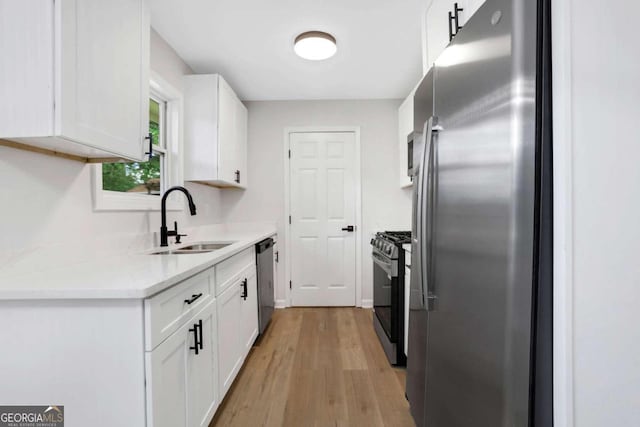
(349, 228)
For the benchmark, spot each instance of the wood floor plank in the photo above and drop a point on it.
(271, 364)
(317, 367)
(350, 344)
(393, 405)
(361, 401)
(331, 407)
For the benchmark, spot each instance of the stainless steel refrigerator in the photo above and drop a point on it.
(480, 304)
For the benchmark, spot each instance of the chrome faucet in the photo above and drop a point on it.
(164, 233)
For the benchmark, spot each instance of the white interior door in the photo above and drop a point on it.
(323, 202)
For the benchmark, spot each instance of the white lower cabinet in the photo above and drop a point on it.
(163, 361)
(230, 359)
(166, 381)
(407, 293)
(249, 311)
(276, 261)
(237, 324)
(202, 369)
(182, 374)
(189, 372)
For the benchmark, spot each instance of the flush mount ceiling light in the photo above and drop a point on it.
(315, 45)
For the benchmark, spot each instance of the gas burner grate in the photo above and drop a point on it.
(398, 237)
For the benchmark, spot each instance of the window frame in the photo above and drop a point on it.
(171, 161)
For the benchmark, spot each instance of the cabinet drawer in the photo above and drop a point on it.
(229, 270)
(167, 311)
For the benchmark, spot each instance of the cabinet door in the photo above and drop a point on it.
(227, 130)
(250, 312)
(405, 127)
(472, 7)
(166, 380)
(437, 28)
(407, 292)
(229, 344)
(241, 141)
(276, 261)
(202, 370)
(104, 80)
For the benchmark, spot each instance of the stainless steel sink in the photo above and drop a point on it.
(205, 246)
(194, 248)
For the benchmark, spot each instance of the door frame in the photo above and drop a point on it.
(287, 205)
(563, 215)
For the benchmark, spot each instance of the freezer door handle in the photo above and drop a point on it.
(432, 128)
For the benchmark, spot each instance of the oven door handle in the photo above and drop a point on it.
(386, 265)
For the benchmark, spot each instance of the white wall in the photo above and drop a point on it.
(47, 200)
(384, 204)
(597, 226)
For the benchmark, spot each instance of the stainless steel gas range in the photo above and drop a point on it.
(388, 292)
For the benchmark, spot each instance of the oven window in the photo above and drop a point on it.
(382, 299)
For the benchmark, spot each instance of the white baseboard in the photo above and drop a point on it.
(367, 303)
(281, 303)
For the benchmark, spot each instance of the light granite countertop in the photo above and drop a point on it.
(132, 275)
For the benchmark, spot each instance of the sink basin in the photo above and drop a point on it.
(205, 246)
(195, 248)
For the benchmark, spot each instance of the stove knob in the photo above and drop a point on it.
(388, 249)
(373, 242)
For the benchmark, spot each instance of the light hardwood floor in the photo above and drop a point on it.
(317, 367)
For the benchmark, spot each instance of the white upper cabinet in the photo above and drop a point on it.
(74, 76)
(437, 24)
(215, 132)
(472, 6)
(405, 128)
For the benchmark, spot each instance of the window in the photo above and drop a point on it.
(138, 185)
(142, 177)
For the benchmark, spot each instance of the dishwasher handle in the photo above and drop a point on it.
(264, 245)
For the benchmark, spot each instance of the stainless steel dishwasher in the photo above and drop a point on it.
(264, 255)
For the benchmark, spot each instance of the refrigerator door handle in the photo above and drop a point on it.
(422, 209)
(419, 302)
(426, 219)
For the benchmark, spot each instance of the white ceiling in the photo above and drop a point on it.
(250, 42)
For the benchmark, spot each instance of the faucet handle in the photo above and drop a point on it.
(174, 232)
